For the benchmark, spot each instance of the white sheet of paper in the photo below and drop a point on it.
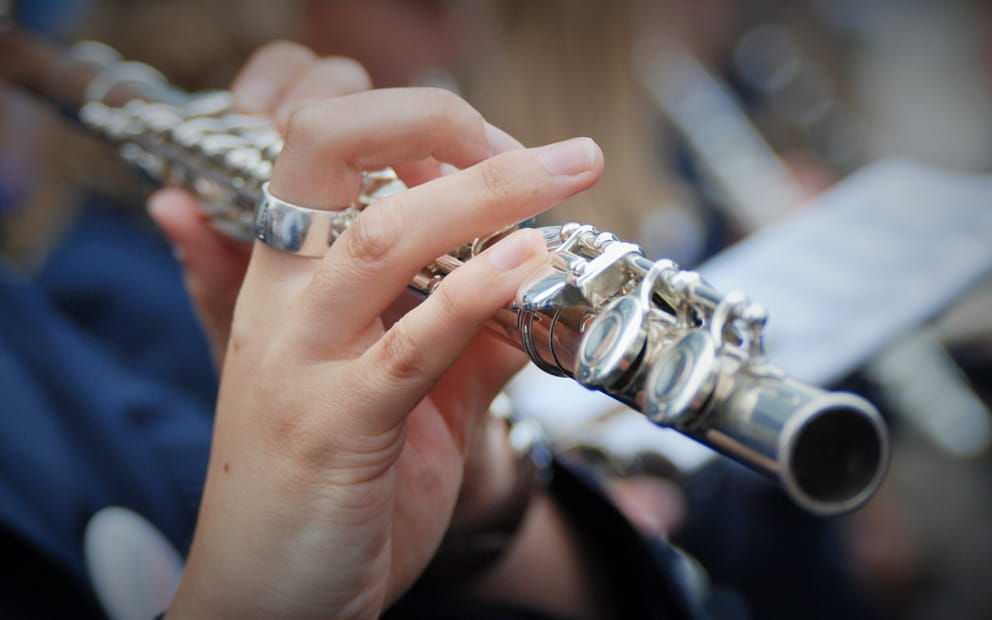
(885, 250)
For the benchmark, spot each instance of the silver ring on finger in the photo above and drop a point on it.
(299, 230)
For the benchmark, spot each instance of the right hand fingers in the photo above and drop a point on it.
(404, 364)
(335, 316)
(275, 80)
(398, 235)
(330, 142)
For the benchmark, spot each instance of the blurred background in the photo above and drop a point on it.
(832, 154)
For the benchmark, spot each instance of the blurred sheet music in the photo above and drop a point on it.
(885, 250)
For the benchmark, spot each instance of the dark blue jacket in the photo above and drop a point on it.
(106, 398)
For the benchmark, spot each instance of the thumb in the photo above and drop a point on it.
(213, 265)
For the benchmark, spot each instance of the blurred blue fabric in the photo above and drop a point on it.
(107, 390)
(50, 17)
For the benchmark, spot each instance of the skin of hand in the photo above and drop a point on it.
(276, 79)
(341, 439)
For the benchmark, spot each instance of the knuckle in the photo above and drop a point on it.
(447, 107)
(403, 358)
(304, 124)
(440, 100)
(370, 239)
(446, 304)
(307, 115)
(301, 439)
(455, 124)
(497, 182)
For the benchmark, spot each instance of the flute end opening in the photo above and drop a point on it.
(837, 457)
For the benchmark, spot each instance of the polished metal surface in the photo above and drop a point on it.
(298, 230)
(647, 333)
(613, 342)
(682, 380)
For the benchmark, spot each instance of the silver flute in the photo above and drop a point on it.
(653, 336)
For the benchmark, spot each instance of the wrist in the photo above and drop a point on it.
(493, 509)
(545, 568)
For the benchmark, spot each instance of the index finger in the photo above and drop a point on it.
(396, 236)
(329, 143)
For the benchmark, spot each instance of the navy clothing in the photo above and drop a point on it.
(107, 397)
(766, 557)
(642, 577)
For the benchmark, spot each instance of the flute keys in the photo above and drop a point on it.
(681, 380)
(208, 103)
(612, 343)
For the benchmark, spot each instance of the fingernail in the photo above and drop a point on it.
(515, 250)
(568, 158)
(500, 141)
(447, 169)
(254, 95)
(157, 205)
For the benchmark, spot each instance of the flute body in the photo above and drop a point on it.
(649, 334)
